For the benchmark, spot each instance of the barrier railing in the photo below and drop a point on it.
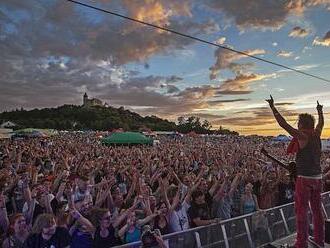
(250, 231)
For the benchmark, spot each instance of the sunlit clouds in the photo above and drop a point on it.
(54, 51)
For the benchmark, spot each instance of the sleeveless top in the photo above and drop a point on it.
(249, 206)
(308, 158)
(110, 241)
(133, 236)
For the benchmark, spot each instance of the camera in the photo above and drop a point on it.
(148, 237)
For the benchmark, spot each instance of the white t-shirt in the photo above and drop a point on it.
(179, 219)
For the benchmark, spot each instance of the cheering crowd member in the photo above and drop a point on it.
(306, 144)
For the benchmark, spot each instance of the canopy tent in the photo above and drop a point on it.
(5, 133)
(282, 138)
(127, 138)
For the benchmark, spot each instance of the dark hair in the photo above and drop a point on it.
(97, 215)
(306, 121)
(196, 193)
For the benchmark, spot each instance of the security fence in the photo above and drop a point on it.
(250, 231)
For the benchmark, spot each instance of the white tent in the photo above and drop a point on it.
(7, 124)
(5, 133)
(281, 138)
(325, 144)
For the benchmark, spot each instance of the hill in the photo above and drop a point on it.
(71, 117)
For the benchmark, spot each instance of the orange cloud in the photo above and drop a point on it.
(155, 11)
(325, 41)
(241, 83)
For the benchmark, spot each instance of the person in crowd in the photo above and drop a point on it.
(18, 232)
(46, 234)
(200, 212)
(249, 201)
(223, 199)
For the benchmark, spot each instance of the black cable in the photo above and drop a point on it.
(197, 39)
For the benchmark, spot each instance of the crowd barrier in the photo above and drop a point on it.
(250, 231)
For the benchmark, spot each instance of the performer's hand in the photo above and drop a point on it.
(270, 101)
(319, 107)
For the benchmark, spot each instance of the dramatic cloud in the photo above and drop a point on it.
(207, 116)
(225, 59)
(284, 54)
(260, 13)
(240, 84)
(325, 41)
(298, 32)
(219, 102)
(61, 29)
(157, 12)
(255, 117)
(284, 103)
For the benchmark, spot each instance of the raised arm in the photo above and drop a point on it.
(4, 221)
(281, 121)
(234, 184)
(176, 199)
(320, 123)
(221, 190)
(123, 216)
(82, 220)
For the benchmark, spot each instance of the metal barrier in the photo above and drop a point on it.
(240, 231)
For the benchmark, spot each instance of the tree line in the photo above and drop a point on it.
(72, 117)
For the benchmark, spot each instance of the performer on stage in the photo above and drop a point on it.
(306, 143)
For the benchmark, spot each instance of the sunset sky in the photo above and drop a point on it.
(52, 51)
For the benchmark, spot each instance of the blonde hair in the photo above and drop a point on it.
(43, 221)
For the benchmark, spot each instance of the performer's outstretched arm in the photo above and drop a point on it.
(281, 121)
(320, 123)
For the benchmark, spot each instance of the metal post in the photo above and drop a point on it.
(324, 211)
(224, 233)
(248, 232)
(198, 240)
(284, 221)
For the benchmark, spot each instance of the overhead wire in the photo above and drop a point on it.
(198, 39)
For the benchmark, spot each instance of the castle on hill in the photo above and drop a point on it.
(93, 102)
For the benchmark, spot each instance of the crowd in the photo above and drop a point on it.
(70, 191)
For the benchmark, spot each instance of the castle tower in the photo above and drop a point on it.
(85, 99)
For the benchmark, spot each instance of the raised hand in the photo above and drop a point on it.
(270, 101)
(319, 107)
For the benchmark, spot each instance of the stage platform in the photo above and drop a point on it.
(289, 240)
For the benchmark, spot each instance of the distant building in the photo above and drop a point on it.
(91, 102)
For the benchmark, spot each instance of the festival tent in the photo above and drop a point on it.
(5, 133)
(282, 138)
(127, 138)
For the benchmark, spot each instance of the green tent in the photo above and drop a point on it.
(127, 138)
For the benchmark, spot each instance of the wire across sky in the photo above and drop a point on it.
(198, 39)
